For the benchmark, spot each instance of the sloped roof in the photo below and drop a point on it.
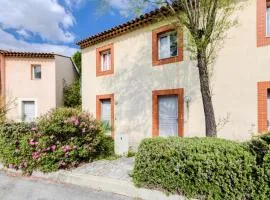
(26, 54)
(129, 26)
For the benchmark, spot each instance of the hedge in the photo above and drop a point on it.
(61, 139)
(203, 168)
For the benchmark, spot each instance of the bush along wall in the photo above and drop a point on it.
(205, 168)
(62, 139)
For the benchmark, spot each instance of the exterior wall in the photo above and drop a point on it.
(65, 74)
(19, 85)
(238, 68)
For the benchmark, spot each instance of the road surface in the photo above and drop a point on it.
(21, 188)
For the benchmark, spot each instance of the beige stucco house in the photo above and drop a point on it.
(34, 82)
(139, 77)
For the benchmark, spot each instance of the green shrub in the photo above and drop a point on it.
(260, 147)
(61, 139)
(72, 95)
(197, 167)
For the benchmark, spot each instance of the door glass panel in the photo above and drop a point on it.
(28, 111)
(106, 111)
(168, 115)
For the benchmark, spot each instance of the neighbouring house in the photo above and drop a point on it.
(139, 77)
(34, 82)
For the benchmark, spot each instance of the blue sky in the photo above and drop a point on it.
(55, 25)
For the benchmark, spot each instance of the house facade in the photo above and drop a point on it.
(34, 82)
(139, 77)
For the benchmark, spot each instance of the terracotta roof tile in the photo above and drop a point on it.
(27, 54)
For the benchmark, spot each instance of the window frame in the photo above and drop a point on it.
(156, 61)
(99, 99)
(33, 71)
(262, 38)
(262, 89)
(155, 109)
(99, 51)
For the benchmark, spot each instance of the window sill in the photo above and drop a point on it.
(104, 73)
(164, 61)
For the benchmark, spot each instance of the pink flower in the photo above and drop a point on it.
(36, 155)
(76, 122)
(25, 164)
(53, 148)
(83, 130)
(34, 129)
(73, 119)
(10, 166)
(32, 142)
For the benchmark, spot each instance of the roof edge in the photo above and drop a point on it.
(134, 24)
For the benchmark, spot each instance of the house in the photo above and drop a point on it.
(34, 82)
(139, 77)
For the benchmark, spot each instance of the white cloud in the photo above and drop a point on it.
(9, 42)
(23, 33)
(46, 18)
(74, 3)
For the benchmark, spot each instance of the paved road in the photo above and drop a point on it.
(18, 188)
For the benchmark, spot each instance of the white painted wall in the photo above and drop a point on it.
(46, 92)
(65, 75)
(20, 86)
(239, 66)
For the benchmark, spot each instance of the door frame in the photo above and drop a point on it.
(20, 107)
(99, 98)
(155, 111)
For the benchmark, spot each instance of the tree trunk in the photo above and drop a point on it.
(210, 122)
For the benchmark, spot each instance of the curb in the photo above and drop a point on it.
(100, 183)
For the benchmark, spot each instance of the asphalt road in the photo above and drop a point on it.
(21, 188)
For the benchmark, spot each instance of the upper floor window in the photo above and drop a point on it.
(263, 23)
(268, 19)
(167, 45)
(36, 72)
(105, 60)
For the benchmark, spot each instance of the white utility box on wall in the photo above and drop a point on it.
(121, 145)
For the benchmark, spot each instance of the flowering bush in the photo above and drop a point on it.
(61, 139)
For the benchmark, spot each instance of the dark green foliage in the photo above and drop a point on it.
(207, 168)
(77, 58)
(61, 139)
(72, 95)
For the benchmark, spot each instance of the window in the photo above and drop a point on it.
(268, 19)
(105, 60)
(167, 45)
(36, 72)
(168, 112)
(105, 110)
(263, 23)
(28, 111)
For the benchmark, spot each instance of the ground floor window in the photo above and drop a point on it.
(28, 111)
(167, 112)
(105, 110)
